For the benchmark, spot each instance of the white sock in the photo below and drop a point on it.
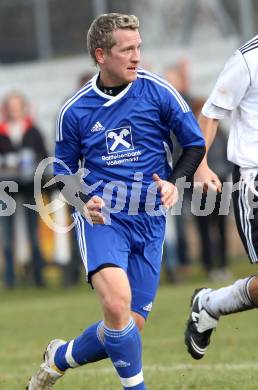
(227, 300)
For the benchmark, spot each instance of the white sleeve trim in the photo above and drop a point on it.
(210, 110)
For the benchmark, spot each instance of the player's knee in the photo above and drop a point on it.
(139, 320)
(117, 308)
(253, 290)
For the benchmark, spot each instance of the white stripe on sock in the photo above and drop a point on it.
(100, 335)
(119, 332)
(69, 357)
(133, 380)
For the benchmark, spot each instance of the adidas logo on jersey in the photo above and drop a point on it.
(97, 127)
(148, 307)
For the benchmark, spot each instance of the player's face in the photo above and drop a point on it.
(120, 64)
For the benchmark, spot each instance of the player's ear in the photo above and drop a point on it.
(100, 55)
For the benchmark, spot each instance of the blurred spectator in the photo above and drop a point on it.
(21, 149)
(176, 251)
(178, 76)
(84, 78)
(212, 228)
(72, 271)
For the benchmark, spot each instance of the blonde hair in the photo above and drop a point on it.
(101, 29)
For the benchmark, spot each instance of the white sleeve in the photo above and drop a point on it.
(231, 84)
(211, 111)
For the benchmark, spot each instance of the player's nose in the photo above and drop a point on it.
(136, 56)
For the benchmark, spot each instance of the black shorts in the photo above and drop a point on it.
(245, 203)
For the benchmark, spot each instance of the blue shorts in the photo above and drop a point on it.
(133, 243)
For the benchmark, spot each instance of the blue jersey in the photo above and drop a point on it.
(120, 137)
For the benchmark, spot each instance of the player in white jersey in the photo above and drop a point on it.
(119, 125)
(235, 92)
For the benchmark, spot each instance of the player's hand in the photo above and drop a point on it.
(168, 191)
(205, 179)
(92, 210)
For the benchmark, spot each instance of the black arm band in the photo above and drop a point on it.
(187, 163)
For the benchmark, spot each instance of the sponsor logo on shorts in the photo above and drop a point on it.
(121, 363)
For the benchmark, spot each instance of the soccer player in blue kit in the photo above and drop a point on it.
(119, 125)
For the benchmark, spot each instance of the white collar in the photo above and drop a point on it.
(110, 99)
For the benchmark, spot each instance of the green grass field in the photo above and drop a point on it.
(30, 318)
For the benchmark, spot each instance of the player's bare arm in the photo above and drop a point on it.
(204, 177)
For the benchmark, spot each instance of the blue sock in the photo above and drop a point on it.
(86, 348)
(125, 350)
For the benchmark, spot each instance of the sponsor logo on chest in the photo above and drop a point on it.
(119, 140)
